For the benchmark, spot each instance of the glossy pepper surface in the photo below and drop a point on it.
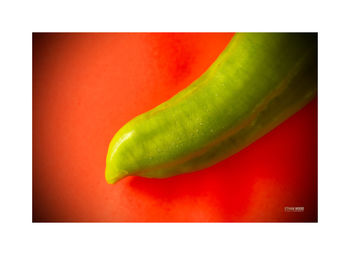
(257, 82)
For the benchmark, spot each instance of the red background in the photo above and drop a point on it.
(86, 86)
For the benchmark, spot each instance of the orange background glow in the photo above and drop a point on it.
(87, 86)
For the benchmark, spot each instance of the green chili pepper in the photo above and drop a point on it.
(257, 82)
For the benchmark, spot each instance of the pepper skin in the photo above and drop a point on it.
(256, 83)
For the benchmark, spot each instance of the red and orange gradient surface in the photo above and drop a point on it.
(87, 86)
